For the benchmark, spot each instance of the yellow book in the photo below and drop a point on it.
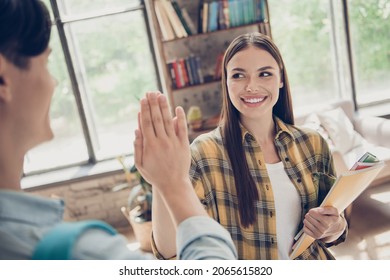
(163, 20)
(345, 190)
(174, 19)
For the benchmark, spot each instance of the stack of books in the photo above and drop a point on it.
(175, 22)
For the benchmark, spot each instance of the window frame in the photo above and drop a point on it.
(89, 132)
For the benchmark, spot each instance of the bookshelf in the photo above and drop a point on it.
(188, 52)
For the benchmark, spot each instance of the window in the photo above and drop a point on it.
(303, 32)
(105, 48)
(312, 38)
(370, 37)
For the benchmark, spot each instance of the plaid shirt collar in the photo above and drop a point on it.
(281, 128)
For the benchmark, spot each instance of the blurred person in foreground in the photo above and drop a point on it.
(26, 89)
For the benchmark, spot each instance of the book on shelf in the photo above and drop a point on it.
(187, 64)
(212, 24)
(164, 22)
(344, 191)
(185, 71)
(243, 12)
(189, 21)
(246, 12)
(232, 13)
(223, 15)
(205, 17)
(180, 75)
(212, 16)
(177, 25)
(195, 74)
(200, 17)
(179, 13)
(199, 70)
(172, 73)
(218, 67)
(263, 11)
(178, 79)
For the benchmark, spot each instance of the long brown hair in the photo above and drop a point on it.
(245, 186)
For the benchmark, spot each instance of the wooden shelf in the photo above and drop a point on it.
(197, 86)
(213, 32)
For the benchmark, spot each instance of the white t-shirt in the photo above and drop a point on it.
(287, 207)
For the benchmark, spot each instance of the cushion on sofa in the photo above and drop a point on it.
(340, 129)
(339, 124)
(313, 122)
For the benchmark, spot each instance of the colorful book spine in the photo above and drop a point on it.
(257, 9)
(190, 22)
(263, 8)
(181, 18)
(183, 71)
(189, 72)
(200, 17)
(194, 71)
(226, 15)
(179, 82)
(205, 17)
(213, 17)
(233, 13)
(199, 70)
(218, 67)
(172, 74)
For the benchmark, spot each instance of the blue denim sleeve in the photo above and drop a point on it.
(202, 238)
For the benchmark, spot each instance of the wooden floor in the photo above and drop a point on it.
(369, 232)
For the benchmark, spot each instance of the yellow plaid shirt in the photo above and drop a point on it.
(307, 162)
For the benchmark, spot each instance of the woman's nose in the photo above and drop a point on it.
(251, 87)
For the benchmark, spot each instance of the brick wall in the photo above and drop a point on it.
(91, 199)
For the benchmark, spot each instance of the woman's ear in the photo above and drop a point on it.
(281, 84)
(5, 93)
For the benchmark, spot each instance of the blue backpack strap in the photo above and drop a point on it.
(57, 243)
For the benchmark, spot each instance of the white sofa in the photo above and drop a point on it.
(350, 135)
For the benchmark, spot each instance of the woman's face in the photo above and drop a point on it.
(31, 91)
(253, 82)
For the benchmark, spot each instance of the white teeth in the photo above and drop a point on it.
(254, 100)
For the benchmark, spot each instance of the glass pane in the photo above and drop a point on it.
(115, 68)
(68, 146)
(78, 7)
(302, 31)
(370, 34)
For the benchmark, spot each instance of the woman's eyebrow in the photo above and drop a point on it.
(265, 68)
(238, 69)
(259, 69)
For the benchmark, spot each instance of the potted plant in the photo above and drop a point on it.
(139, 206)
(140, 199)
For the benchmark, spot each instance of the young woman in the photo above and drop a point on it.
(257, 174)
(26, 89)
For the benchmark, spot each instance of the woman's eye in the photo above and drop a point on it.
(237, 75)
(265, 74)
